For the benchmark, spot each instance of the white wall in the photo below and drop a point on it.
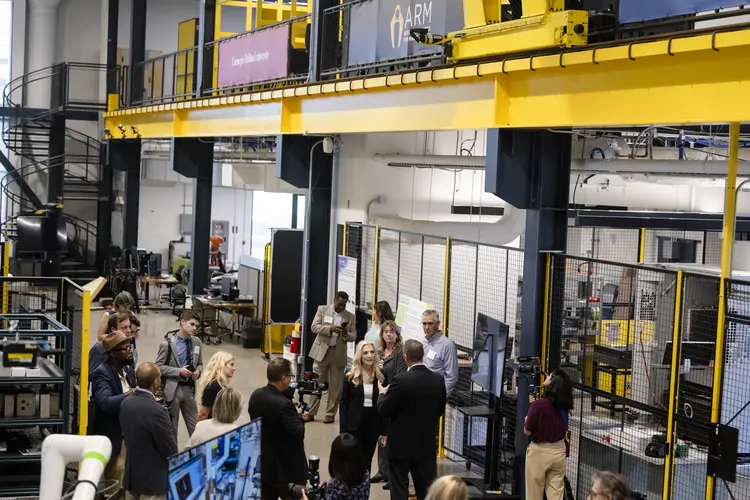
(79, 31)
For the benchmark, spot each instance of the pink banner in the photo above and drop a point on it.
(256, 57)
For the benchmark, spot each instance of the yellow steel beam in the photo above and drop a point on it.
(621, 85)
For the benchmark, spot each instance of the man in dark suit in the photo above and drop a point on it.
(282, 434)
(147, 429)
(414, 401)
(111, 382)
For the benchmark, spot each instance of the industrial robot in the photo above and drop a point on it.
(58, 450)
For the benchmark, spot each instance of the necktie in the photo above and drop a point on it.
(189, 353)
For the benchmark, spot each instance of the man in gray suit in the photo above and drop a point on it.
(334, 327)
(181, 363)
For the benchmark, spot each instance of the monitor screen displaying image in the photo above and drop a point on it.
(490, 349)
(224, 468)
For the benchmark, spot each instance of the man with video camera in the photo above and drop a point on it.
(334, 327)
(282, 435)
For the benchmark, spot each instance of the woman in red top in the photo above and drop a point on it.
(547, 425)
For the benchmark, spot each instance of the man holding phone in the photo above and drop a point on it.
(181, 363)
(334, 327)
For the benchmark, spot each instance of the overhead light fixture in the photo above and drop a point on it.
(266, 162)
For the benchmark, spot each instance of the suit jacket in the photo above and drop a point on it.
(351, 406)
(415, 401)
(97, 356)
(108, 397)
(282, 437)
(321, 327)
(147, 429)
(170, 368)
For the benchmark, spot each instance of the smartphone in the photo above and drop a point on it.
(345, 324)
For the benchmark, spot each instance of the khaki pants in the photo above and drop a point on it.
(331, 371)
(545, 471)
(116, 468)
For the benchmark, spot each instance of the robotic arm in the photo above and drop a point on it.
(58, 450)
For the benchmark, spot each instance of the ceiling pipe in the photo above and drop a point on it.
(219, 147)
(677, 168)
(428, 161)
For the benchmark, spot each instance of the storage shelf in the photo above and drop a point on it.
(51, 374)
(27, 421)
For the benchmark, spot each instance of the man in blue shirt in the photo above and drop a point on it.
(441, 355)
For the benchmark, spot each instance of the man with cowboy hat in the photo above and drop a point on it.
(112, 381)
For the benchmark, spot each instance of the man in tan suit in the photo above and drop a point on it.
(334, 327)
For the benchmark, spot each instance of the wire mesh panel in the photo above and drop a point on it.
(410, 265)
(367, 257)
(616, 324)
(388, 266)
(664, 245)
(735, 390)
(433, 273)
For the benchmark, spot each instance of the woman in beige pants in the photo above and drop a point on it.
(547, 426)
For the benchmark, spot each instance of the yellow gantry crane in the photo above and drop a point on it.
(489, 31)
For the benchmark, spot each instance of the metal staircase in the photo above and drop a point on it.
(44, 144)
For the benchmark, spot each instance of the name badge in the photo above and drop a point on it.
(431, 355)
(196, 351)
(327, 319)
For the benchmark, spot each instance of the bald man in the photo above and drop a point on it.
(147, 429)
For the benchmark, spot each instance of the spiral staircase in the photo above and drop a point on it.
(74, 94)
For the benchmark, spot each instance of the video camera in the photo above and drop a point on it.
(315, 491)
(529, 365)
(309, 386)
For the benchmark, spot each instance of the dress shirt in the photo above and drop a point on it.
(124, 382)
(440, 357)
(182, 350)
(337, 319)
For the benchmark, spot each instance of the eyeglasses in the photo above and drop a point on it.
(126, 347)
(428, 323)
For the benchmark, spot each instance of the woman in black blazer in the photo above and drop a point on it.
(359, 400)
(392, 363)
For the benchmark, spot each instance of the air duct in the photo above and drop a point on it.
(677, 168)
(503, 232)
(432, 161)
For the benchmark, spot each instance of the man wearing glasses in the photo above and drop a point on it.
(440, 356)
(112, 381)
(282, 433)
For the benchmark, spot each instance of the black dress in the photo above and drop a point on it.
(209, 395)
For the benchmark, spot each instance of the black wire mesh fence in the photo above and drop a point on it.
(166, 78)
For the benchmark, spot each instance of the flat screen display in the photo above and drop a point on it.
(41, 233)
(224, 468)
(490, 346)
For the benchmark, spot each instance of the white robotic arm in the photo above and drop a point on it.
(58, 450)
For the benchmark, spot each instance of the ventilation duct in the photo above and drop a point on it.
(503, 232)
(432, 161)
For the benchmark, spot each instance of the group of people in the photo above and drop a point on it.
(138, 409)
(391, 399)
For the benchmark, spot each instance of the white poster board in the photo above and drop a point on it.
(409, 317)
(347, 282)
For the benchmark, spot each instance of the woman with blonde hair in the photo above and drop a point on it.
(219, 371)
(226, 410)
(359, 400)
(448, 488)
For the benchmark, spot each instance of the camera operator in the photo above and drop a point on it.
(547, 426)
(282, 435)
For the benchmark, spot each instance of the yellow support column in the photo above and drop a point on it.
(642, 246)
(446, 298)
(376, 266)
(6, 270)
(546, 316)
(730, 208)
(83, 403)
(673, 388)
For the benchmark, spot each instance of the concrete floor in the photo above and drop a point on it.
(251, 374)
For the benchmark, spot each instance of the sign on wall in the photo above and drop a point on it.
(256, 57)
(347, 282)
(409, 317)
(395, 19)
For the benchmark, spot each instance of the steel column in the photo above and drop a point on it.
(728, 235)
(113, 73)
(132, 202)
(56, 152)
(137, 50)
(316, 37)
(194, 158)
(530, 169)
(300, 161)
(205, 60)
(103, 213)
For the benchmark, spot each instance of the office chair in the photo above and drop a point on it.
(178, 298)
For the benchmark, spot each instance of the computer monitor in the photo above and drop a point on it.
(490, 348)
(41, 233)
(699, 353)
(227, 466)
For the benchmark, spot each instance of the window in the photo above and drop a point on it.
(301, 211)
(270, 211)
